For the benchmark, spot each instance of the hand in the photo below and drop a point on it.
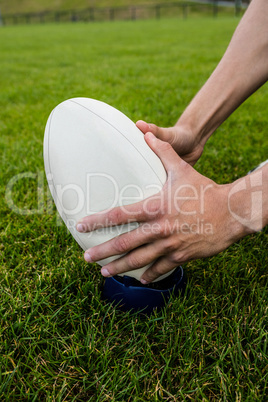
(188, 219)
(183, 141)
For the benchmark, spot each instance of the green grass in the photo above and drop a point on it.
(58, 340)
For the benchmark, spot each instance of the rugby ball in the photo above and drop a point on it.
(96, 159)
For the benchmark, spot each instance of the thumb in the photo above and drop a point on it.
(164, 151)
(165, 134)
(145, 127)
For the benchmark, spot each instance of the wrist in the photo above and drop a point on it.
(247, 202)
(215, 101)
(194, 137)
(189, 123)
(228, 209)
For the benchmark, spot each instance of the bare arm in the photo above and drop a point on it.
(241, 71)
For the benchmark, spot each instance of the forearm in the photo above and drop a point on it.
(241, 71)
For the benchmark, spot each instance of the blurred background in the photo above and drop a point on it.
(30, 11)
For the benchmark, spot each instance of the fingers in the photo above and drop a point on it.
(168, 134)
(138, 258)
(120, 245)
(160, 267)
(116, 216)
(165, 134)
(146, 127)
(143, 126)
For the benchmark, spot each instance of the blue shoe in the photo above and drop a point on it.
(129, 294)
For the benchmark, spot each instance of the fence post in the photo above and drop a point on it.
(237, 7)
(184, 10)
(157, 11)
(60, 15)
(215, 8)
(74, 17)
(111, 14)
(91, 14)
(133, 13)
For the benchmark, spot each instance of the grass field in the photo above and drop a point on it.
(58, 340)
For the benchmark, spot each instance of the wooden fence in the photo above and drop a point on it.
(159, 10)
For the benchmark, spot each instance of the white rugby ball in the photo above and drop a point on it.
(96, 159)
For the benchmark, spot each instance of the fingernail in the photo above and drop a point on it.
(105, 272)
(144, 282)
(80, 227)
(87, 257)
